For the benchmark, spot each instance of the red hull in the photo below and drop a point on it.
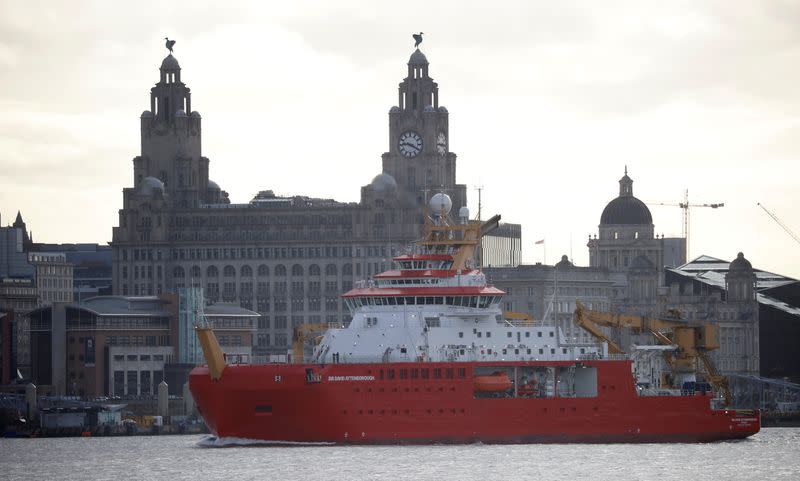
(352, 404)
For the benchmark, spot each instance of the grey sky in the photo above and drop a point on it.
(548, 102)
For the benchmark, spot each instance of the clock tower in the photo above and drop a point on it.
(419, 156)
(171, 142)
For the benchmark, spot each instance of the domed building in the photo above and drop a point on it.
(627, 246)
(625, 232)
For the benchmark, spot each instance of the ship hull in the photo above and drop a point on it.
(360, 404)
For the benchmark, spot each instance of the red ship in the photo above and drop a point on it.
(429, 357)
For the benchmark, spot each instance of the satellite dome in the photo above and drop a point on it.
(151, 186)
(384, 184)
(463, 212)
(170, 63)
(440, 204)
(740, 264)
(147, 114)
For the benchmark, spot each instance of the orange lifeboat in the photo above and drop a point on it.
(494, 382)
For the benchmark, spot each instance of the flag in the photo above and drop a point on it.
(539, 242)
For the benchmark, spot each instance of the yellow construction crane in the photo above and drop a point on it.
(780, 223)
(692, 340)
(685, 205)
(302, 334)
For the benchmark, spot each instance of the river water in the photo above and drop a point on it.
(774, 453)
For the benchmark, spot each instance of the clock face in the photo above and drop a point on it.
(441, 144)
(410, 144)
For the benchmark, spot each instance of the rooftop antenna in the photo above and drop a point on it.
(479, 188)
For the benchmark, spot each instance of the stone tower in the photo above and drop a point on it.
(171, 142)
(419, 156)
(626, 231)
(740, 280)
(741, 333)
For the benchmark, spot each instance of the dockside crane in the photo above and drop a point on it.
(780, 223)
(685, 205)
(692, 340)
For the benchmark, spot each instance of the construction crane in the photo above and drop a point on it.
(685, 205)
(304, 333)
(692, 340)
(780, 223)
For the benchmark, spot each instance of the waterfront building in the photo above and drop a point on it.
(501, 247)
(20, 296)
(286, 257)
(53, 276)
(8, 344)
(91, 267)
(123, 345)
(627, 246)
(758, 313)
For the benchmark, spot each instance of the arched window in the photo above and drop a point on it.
(330, 270)
(263, 271)
(297, 270)
(347, 270)
(178, 272)
(197, 273)
(229, 271)
(212, 271)
(247, 271)
(280, 270)
(314, 270)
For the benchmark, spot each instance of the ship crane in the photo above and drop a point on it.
(780, 223)
(685, 205)
(692, 340)
(304, 333)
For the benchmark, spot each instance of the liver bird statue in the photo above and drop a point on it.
(170, 43)
(417, 39)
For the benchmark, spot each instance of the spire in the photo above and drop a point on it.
(625, 185)
(19, 222)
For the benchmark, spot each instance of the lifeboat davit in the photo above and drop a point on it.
(494, 382)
